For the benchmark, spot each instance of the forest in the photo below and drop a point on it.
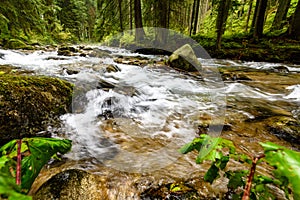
(92, 79)
(208, 21)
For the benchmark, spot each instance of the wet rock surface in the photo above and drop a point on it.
(185, 59)
(109, 184)
(28, 104)
(73, 184)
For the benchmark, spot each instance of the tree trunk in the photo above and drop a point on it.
(196, 17)
(294, 30)
(121, 16)
(260, 18)
(130, 14)
(162, 16)
(139, 30)
(255, 15)
(248, 15)
(193, 17)
(221, 20)
(280, 14)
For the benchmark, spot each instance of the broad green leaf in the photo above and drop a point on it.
(37, 152)
(286, 163)
(9, 188)
(209, 148)
(41, 150)
(8, 147)
(5, 164)
(212, 173)
(194, 145)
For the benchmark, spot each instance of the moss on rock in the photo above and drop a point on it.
(29, 103)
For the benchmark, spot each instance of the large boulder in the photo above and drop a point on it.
(73, 184)
(28, 104)
(185, 59)
(109, 184)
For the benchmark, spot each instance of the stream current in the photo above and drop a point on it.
(135, 119)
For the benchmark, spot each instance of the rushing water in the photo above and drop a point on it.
(147, 113)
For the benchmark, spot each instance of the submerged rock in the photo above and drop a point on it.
(28, 104)
(112, 68)
(99, 53)
(110, 184)
(78, 184)
(285, 127)
(185, 59)
(73, 184)
(66, 51)
(137, 60)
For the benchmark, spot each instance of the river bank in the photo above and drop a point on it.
(241, 47)
(267, 49)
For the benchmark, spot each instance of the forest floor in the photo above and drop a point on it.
(268, 49)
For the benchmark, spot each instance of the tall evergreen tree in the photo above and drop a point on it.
(281, 13)
(224, 7)
(197, 7)
(294, 29)
(259, 18)
(139, 31)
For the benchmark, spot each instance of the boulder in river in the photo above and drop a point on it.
(66, 51)
(28, 104)
(185, 59)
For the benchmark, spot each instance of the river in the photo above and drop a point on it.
(135, 119)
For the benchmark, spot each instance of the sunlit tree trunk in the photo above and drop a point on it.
(294, 30)
(130, 14)
(193, 17)
(221, 20)
(196, 16)
(121, 15)
(249, 15)
(281, 14)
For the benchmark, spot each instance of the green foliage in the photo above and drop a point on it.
(286, 163)
(219, 151)
(8, 188)
(36, 153)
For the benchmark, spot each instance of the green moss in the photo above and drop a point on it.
(29, 103)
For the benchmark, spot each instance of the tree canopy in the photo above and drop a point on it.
(94, 20)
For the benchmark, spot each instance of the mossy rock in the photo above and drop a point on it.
(73, 184)
(185, 59)
(29, 103)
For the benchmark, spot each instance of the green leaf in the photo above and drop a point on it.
(41, 150)
(236, 178)
(286, 163)
(8, 147)
(194, 145)
(222, 162)
(37, 152)
(212, 173)
(9, 188)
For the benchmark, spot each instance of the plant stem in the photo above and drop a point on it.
(246, 195)
(19, 160)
